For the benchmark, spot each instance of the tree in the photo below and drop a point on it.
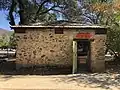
(109, 14)
(101, 12)
(31, 11)
(83, 11)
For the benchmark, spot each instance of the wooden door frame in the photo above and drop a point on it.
(75, 61)
(74, 65)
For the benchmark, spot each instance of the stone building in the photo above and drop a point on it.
(74, 46)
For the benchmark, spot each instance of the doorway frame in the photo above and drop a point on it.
(75, 60)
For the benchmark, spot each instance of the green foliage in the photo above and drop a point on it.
(3, 41)
(12, 41)
(108, 12)
(8, 40)
(113, 37)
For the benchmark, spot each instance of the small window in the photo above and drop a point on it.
(58, 31)
(20, 31)
(103, 31)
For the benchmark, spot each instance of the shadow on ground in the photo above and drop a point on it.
(106, 80)
(95, 80)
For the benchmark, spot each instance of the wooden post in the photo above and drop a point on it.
(74, 57)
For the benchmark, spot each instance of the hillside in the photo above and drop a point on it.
(5, 32)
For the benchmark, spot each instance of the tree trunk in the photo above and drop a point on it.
(23, 19)
(12, 22)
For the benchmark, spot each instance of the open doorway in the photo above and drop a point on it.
(83, 55)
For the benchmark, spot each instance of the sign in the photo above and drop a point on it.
(82, 59)
(84, 35)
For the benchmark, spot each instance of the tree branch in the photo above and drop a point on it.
(116, 56)
(62, 13)
(47, 10)
(40, 7)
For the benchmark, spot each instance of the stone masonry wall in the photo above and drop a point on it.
(44, 47)
(98, 53)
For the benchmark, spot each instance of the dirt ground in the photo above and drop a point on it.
(94, 81)
(109, 80)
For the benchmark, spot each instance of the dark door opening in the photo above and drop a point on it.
(83, 55)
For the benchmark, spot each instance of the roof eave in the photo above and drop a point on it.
(92, 27)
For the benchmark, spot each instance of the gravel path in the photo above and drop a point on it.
(95, 81)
